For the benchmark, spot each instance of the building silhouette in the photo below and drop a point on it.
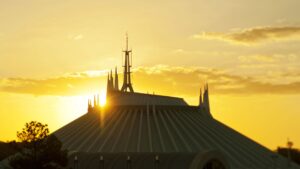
(147, 131)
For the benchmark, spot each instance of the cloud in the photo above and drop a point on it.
(161, 79)
(187, 80)
(77, 83)
(76, 37)
(254, 35)
(258, 58)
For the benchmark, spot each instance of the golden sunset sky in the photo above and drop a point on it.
(55, 54)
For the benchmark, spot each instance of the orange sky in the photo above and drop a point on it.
(54, 55)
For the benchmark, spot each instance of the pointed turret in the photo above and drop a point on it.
(206, 99)
(95, 101)
(116, 79)
(200, 97)
(108, 84)
(111, 81)
(89, 106)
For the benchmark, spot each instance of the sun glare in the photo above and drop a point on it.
(72, 107)
(102, 98)
(76, 106)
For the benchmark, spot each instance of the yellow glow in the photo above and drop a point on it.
(102, 98)
(74, 107)
(53, 61)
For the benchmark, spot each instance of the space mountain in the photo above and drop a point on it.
(147, 131)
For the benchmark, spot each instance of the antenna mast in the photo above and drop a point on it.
(127, 65)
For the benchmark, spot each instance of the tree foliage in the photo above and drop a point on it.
(293, 153)
(39, 150)
(33, 132)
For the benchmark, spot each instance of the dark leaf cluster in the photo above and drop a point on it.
(293, 154)
(38, 150)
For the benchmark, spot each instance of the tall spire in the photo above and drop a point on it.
(116, 79)
(127, 65)
(111, 80)
(126, 41)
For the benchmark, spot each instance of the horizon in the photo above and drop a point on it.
(56, 55)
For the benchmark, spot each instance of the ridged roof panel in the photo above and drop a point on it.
(127, 98)
(162, 129)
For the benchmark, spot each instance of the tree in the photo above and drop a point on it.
(33, 132)
(38, 149)
(292, 153)
(6, 150)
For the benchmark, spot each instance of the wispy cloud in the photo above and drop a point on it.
(76, 37)
(188, 79)
(161, 79)
(258, 58)
(254, 35)
(68, 84)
